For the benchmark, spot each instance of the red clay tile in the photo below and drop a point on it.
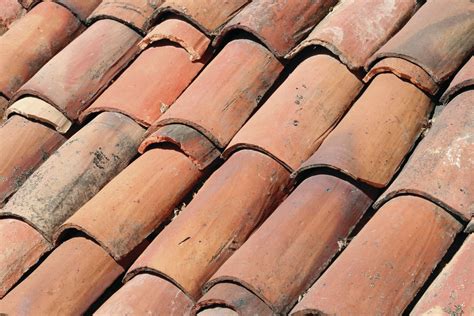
(226, 93)
(296, 243)
(20, 247)
(32, 41)
(191, 142)
(74, 77)
(463, 80)
(150, 84)
(301, 112)
(233, 297)
(442, 169)
(24, 145)
(279, 24)
(385, 265)
(133, 13)
(75, 172)
(373, 139)
(139, 199)
(438, 38)
(452, 291)
(225, 211)
(181, 33)
(147, 294)
(405, 70)
(354, 30)
(66, 283)
(80, 8)
(10, 11)
(208, 15)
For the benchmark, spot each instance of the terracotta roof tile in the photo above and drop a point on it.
(279, 24)
(92, 157)
(208, 15)
(198, 239)
(32, 41)
(80, 8)
(139, 199)
(74, 77)
(382, 269)
(438, 39)
(24, 145)
(301, 112)
(20, 247)
(53, 290)
(463, 80)
(226, 93)
(441, 168)
(10, 11)
(372, 140)
(133, 13)
(147, 294)
(284, 267)
(354, 30)
(451, 292)
(143, 92)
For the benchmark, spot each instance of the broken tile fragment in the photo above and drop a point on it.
(382, 269)
(354, 30)
(375, 136)
(279, 24)
(80, 72)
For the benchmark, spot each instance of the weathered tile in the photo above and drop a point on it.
(74, 77)
(279, 24)
(301, 112)
(32, 41)
(354, 30)
(226, 93)
(296, 243)
(374, 137)
(234, 297)
(147, 294)
(385, 265)
(208, 15)
(191, 142)
(222, 215)
(452, 291)
(149, 86)
(10, 11)
(75, 172)
(133, 13)
(20, 247)
(181, 33)
(24, 146)
(463, 80)
(139, 199)
(438, 38)
(442, 169)
(80, 8)
(41, 111)
(28, 4)
(66, 283)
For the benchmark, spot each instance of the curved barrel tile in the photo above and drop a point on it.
(32, 41)
(463, 80)
(354, 30)
(80, 72)
(222, 215)
(382, 269)
(80, 8)
(375, 136)
(279, 24)
(91, 157)
(301, 112)
(226, 93)
(442, 167)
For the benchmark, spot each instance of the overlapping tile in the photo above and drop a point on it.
(463, 80)
(354, 30)
(10, 11)
(438, 39)
(279, 24)
(369, 271)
